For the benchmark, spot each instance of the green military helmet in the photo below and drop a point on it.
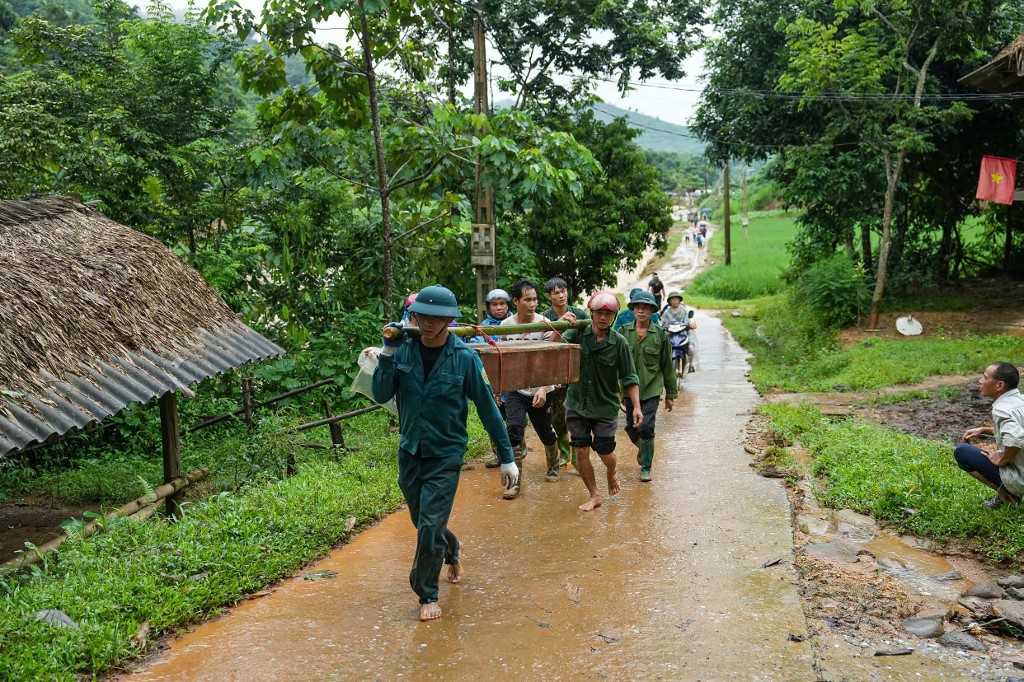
(638, 296)
(436, 301)
(675, 294)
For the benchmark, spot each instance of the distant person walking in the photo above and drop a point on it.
(656, 287)
(1002, 470)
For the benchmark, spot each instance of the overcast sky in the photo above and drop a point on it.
(669, 105)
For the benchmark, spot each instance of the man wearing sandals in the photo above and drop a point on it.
(592, 403)
(1002, 470)
(433, 378)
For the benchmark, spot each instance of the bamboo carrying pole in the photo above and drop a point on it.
(145, 506)
(502, 330)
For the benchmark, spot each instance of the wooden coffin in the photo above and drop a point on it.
(526, 364)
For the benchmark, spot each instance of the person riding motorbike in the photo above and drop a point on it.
(678, 321)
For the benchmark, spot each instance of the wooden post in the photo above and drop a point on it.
(337, 435)
(727, 216)
(744, 205)
(486, 273)
(247, 401)
(171, 448)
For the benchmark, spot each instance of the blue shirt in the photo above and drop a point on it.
(432, 412)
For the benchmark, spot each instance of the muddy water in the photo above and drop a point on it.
(664, 582)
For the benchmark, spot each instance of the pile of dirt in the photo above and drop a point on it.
(943, 416)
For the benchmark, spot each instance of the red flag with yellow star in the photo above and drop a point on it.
(998, 177)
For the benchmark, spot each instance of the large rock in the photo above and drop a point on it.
(838, 550)
(1015, 580)
(986, 591)
(981, 608)
(961, 640)
(929, 626)
(855, 526)
(813, 525)
(1009, 609)
(1015, 592)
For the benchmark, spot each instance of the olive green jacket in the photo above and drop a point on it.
(653, 359)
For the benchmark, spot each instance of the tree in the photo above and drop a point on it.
(884, 47)
(588, 240)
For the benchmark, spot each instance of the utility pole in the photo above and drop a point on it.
(727, 217)
(744, 206)
(482, 244)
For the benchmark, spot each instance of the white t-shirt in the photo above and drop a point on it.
(1008, 427)
(531, 336)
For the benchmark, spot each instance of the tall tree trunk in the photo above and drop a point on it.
(893, 172)
(945, 250)
(382, 165)
(1008, 243)
(451, 65)
(865, 247)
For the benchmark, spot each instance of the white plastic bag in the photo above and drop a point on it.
(363, 383)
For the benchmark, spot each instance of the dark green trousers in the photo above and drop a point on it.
(429, 486)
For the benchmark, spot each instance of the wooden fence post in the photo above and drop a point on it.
(247, 401)
(171, 448)
(337, 430)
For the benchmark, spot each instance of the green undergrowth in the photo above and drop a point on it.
(908, 482)
(172, 574)
(793, 353)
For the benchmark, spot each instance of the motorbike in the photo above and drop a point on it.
(679, 338)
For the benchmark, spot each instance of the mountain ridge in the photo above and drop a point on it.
(655, 134)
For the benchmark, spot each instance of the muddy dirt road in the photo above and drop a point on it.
(663, 582)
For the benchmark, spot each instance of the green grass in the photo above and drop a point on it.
(758, 261)
(171, 574)
(911, 483)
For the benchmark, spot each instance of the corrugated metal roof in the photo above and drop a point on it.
(108, 387)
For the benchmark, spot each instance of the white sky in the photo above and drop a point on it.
(673, 106)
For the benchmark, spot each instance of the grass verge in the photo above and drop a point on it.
(172, 574)
(911, 483)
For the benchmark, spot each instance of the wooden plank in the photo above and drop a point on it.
(171, 448)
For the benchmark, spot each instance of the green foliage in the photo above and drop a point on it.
(885, 473)
(834, 289)
(586, 240)
(680, 172)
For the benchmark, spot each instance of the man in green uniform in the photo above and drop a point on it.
(652, 355)
(558, 294)
(592, 403)
(432, 378)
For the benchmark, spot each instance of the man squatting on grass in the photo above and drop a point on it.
(528, 402)
(652, 356)
(1003, 470)
(431, 378)
(558, 294)
(592, 403)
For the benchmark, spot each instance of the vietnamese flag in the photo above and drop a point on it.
(998, 177)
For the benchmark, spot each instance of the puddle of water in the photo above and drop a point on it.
(918, 569)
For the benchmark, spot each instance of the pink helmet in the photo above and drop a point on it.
(604, 300)
(410, 299)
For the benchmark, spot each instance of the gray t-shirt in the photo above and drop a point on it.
(1008, 427)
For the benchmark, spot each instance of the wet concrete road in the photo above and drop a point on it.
(664, 582)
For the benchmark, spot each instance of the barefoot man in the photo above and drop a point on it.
(592, 404)
(432, 378)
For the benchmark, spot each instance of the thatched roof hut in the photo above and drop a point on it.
(95, 316)
(1005, 73)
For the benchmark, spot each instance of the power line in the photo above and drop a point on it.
(832, 96)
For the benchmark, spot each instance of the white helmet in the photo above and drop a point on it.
(497, 294)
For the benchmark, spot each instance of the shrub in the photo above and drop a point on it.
(834, 289)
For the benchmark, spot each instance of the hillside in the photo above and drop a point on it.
(655, 134)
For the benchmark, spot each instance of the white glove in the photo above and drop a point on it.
(509, 474)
